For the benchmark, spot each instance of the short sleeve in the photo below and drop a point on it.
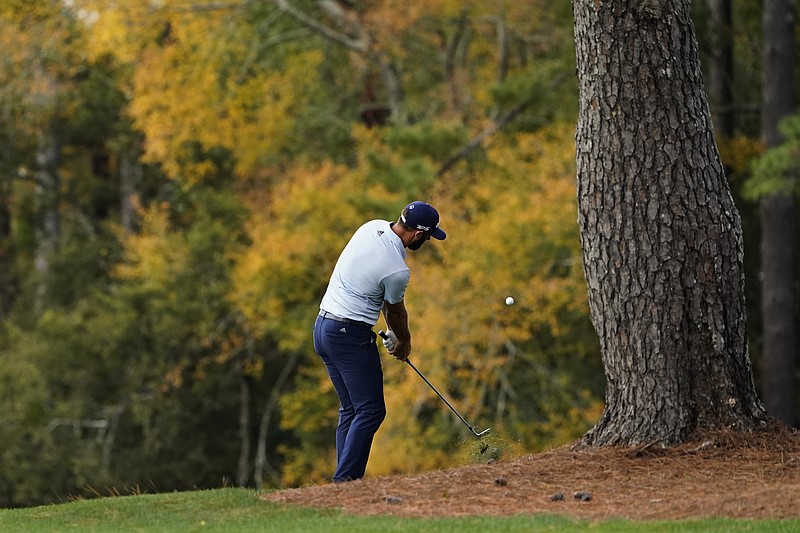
(394, 286)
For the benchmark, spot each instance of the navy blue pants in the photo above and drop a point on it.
(354, 366)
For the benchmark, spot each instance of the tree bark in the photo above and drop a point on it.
(7, 252)
(244, 469)
(778, 221)
(48, 159)
(661, 236)
(261, 462)
(357, 39)
(130, 175)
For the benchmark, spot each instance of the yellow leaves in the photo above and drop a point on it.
(521, 216)
(297, 233)
(126, 28)
(392, 17)
(151, 255)
(254, 368)
(253, 118)
(405, 455)
(563, 427)
(122, 28)
(174, 104)
(194, 86)
(173, 378)
(260, 113)
(514, 232)
(311, 415)
(737, 153)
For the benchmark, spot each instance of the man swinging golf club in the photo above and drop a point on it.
(370, 276)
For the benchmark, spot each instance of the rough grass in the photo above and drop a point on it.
(241, 510)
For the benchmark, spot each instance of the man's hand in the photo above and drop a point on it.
(396, 348)
(389, 341)
(401, 351)
(397, 324)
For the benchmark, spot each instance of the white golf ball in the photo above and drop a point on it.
(509, 300)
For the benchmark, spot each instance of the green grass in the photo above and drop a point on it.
(240, 510)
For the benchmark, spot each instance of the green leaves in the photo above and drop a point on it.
(777, 171)
(265, 143)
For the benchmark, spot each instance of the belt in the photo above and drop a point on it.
(331, 316)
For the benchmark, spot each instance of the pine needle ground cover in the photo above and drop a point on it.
(726, 482)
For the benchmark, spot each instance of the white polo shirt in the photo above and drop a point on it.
(370, 269)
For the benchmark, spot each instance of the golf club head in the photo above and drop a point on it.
(482, 433)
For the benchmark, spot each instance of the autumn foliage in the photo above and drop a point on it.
(181, 178)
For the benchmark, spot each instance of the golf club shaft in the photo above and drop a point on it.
(439, 394)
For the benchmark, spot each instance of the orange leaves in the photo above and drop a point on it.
(738, 154)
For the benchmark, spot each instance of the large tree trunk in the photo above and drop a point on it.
(778, 235)
(661, 236)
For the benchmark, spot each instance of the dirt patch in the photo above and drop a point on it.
(753, 475)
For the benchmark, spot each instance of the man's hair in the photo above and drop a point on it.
(402, 221)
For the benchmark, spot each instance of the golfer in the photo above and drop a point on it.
(370, 276)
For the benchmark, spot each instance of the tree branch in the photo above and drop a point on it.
(261, 462)
(286, 7)
(494, 128)
(302, 18)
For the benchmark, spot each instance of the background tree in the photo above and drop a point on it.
(214, 158)
(721, 66)
(778, 222)
(661, 236)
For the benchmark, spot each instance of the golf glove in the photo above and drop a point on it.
(390, 341)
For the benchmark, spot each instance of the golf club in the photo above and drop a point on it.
(439, 394)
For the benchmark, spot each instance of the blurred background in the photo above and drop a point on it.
(178, 177)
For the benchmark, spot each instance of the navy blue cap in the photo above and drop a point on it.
(423, 217)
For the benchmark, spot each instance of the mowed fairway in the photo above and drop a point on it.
(241, 510)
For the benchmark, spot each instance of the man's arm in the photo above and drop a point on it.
(397, 321)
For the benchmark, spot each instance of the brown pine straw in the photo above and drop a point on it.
(722, 474)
